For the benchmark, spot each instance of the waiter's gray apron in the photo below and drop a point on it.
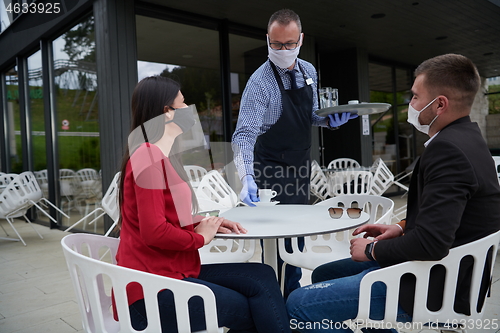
(281, 155)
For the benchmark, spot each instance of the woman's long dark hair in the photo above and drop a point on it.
(149, 98)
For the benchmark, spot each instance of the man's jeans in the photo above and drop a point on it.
(333, 298)
(247, 295)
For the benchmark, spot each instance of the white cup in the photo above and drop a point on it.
(266, 195)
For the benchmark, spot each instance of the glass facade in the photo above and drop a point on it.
(189, 55)
(37, 122)
(392, 134)
(246, 55)
(14, 121)
(77, 121)
(494, 95)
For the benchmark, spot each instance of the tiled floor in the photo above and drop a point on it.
(36, 294)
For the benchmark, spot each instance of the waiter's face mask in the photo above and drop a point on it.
(286, 55)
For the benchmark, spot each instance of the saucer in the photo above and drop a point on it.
(264, 204)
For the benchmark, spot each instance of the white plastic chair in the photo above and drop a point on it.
(351, 182)
(331, 247)
(195, 174)
(109, 205)
(90, 190)
(343, 163)
(43, 181)
(220, 251)
(391, 277)
(22, 193)
(93, 278)
(70, 188)
(383, 178)
(319, 182)
(214, 193)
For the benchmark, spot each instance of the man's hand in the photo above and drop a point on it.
(248, 193)
(358, 246)
(379, 231)
(338, 119)
(228, 226)
(208, 227)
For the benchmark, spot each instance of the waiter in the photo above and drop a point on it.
(272, 140)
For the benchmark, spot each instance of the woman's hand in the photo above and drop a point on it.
(228, 226)
(208, 227)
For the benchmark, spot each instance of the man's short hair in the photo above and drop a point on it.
(284, 17)
(451, 74)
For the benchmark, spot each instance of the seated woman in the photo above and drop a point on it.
(160, 233)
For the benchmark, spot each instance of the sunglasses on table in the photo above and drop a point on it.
(337, 212)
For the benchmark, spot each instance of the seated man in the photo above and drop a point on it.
(454, 199)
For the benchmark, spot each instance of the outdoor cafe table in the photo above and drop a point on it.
(286, 221)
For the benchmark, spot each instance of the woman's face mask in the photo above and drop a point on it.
(184, 118)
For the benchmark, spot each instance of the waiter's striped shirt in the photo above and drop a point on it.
(260, 108)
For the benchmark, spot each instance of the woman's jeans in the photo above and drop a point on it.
(333, 298)
(247, 296)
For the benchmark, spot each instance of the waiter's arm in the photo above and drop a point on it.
(253, 106)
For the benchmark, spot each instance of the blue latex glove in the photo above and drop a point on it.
(248, 193)
(338, 119)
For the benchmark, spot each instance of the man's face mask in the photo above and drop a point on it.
(413, 118)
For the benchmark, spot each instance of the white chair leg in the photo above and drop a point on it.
(282, 284)
(80, 220)
(55, 207)
(4, 230)
(31, 224)
(18, 236)
(110, 229)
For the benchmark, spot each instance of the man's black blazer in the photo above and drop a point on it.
(454, 199)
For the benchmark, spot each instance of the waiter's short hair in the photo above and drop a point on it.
(451, 73)
(284, 17)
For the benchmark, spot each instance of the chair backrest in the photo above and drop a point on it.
(92, 266)
(213, 187)
(109, 201)
(6, 178)
(351, 182)
(90, 183)
(325, 248)
(379, 208)
(19, 195)
(87, 174)
(220, 251)
(479, 250)
(43, 181)
(70, 185)
(195, 174)
(383, 178)
(319, 182)
(343, 163)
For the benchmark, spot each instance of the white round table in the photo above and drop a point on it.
(285, 221)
